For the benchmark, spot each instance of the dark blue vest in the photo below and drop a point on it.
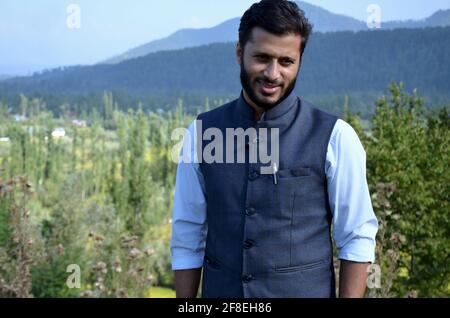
(266, 239)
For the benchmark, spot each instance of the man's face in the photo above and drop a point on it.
(269, 66)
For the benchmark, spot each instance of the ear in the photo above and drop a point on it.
(239, 52)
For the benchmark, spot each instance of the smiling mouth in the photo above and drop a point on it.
(269, 88)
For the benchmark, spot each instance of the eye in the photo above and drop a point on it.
(286, 62)
(262, 58)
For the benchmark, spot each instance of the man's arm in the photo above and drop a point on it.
(352, 279)
(354, 222)
(189, 226)
(187, 282)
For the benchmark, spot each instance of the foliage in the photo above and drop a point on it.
(101, 191)
(408, 152)
(16, 254)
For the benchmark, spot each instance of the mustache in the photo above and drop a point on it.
(263, 79)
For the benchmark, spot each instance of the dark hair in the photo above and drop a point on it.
(279, 17)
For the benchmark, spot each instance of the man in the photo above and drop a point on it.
(269, 235)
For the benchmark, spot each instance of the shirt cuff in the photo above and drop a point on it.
(186, 259)
(361, 250)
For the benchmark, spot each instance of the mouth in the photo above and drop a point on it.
(269, 88)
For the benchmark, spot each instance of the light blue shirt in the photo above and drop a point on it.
(354, 222)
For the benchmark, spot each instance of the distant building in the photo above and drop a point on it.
(4, 139)
(59, 133)
(20, 118)
(79, 123)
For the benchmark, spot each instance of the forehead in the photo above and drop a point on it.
(274, 45)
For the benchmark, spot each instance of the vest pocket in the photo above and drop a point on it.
(292, 185)
(298, 268)
(291, 189)
(297, 172)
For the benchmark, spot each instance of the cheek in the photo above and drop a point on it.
(254, 69)
(289, 76)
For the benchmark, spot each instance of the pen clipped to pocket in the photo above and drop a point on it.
(275, 173)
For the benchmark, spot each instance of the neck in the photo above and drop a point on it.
(257, 111)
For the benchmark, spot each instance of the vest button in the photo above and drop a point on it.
(248, 244)
(247, 278)
(253, 175)
(250, 211)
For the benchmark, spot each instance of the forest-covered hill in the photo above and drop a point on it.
(359, 65)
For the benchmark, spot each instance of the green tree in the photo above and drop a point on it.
(410, 152)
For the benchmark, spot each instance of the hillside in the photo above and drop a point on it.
(323, 20)
(338, 62)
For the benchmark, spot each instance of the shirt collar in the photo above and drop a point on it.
(277, 111)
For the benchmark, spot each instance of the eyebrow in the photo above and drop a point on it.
(268, 55)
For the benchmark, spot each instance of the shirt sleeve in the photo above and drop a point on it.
(354, 222)
(189, 226)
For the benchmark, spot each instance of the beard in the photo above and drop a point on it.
(247, 86)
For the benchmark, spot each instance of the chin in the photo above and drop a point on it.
(271, 100)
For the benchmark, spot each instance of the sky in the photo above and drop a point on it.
(35, 35)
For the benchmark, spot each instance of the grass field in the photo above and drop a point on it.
(160, 292)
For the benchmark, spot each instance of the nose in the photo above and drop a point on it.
(272, 72)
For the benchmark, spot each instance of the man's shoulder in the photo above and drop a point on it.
(218, 112)
(316, 109)
(317, 112)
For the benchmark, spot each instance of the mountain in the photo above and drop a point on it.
(323, 21)
(439, 18)
(334, 64)
(224, 32)
(4, 77)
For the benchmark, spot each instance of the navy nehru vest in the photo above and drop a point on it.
(266, 238)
